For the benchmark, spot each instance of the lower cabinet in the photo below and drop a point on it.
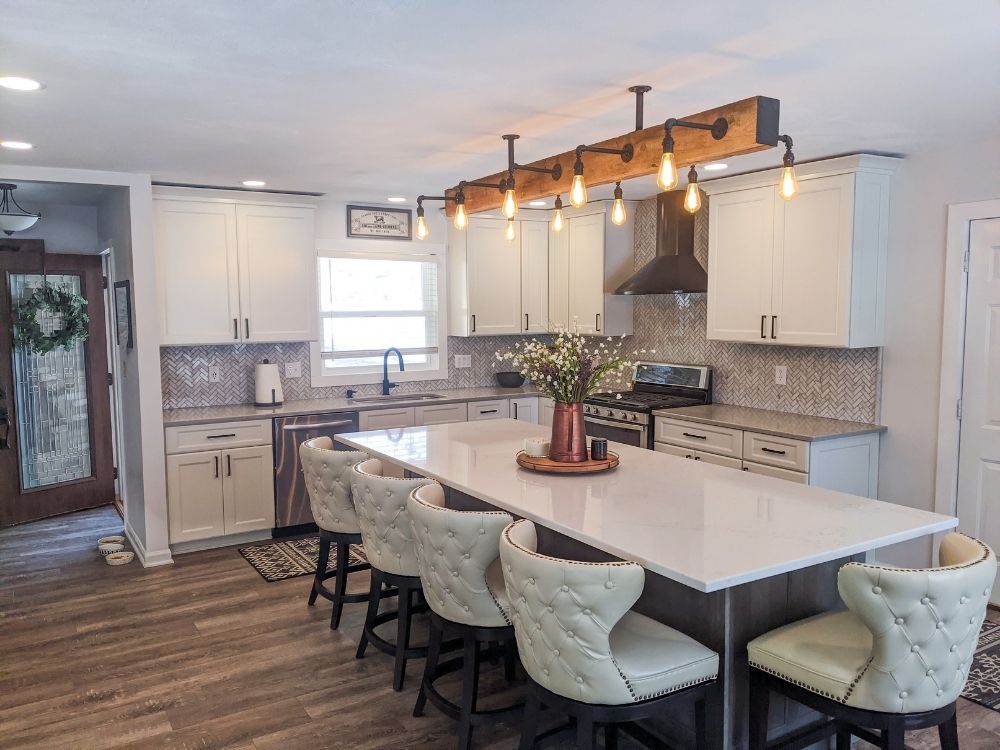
(441, 413)
(385, 419)
(494, 409)
(546, 410)
(524, 409)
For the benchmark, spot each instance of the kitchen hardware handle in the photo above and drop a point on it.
(619, 425)
(236, 328)
(745, 468)
(688, 456)
(246, 324)
(473, 322)
(526, 326)
(692, 435)
(490, 411)
(229, 464)
(216, 466)
(763, 322)
(515, 410)
(219, 437)
(772, 450)
(774, 324)
(597, 322)
(317, 426)
(697, 458)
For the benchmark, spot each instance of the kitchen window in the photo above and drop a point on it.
(370, 301)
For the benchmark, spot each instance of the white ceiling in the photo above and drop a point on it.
(365, 98)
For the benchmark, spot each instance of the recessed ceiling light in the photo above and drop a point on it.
(396, 199)
(20, 145)
(254, 183)
(536, 203)
(17, 83)
(715, 167)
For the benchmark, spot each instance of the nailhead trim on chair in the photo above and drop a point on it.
(506, 533)
(983, 547)
(793, 681)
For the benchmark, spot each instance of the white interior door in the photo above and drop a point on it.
(979, 449)
(535, 276)
(586, 273)
(494, 278)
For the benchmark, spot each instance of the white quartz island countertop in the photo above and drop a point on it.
(707, 527)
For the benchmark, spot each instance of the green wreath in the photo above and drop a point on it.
(60, 301)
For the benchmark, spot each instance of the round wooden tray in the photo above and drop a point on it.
(547, 465)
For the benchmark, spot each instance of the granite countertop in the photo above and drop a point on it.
(780, 423)
(242, 412)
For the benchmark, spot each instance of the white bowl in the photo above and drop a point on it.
(119, 558)
(109, 548)
(113, 539)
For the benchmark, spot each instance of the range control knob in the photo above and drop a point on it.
(586, 410)
(624, 415)
(611, 412)
(635, 418)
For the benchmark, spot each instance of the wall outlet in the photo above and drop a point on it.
(463, 360)
(214, 374)
(780, 375)
(293, 369)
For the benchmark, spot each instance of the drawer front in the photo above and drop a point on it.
(441, 414)
(720, 440)
(775, 451)
(496, 409)
(772, 471)
(708, 458)
(384, 419)
(210, 437)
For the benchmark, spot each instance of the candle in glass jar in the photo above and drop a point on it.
(537, 447)
(599, 449)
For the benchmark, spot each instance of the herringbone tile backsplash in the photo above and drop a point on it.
(839, 383)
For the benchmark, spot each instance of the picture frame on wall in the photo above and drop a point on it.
(123, 314)
(378, 222)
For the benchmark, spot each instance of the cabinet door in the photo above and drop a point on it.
(740, 240)
(277, 249)
(811, 270)
(494, 268)
(440, 414)
(586, 273)
(524, 409)
(770, 471)
(384, 419)
(248, 489)
(535, 276)
(196, 268)
(546, 410)
(194, 496)
(559, 279)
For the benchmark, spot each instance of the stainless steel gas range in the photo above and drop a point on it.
(626, 416)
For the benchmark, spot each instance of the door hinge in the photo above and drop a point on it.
(111, 379)
(104, 282)
(965, 262)
(958, 409)
(114, 472)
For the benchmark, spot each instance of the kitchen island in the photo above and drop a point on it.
(729, 555)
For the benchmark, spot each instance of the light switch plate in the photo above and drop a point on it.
(781, 375)
(463, 360)
(293, 369)
(214, 374)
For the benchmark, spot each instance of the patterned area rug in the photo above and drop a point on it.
(983, 686)
(277, 561)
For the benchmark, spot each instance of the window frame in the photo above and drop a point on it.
(427, 252)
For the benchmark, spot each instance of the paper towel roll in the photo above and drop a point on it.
(267, 385)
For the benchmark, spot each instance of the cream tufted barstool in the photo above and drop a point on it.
(380, 502)
(587, 653)
(896, 660)
(459, 557)
(328, 481)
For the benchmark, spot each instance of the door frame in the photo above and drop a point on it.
(115, 368)
(960, 218)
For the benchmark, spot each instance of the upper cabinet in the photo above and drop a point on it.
(231, 272)
(485, 279)
(805, 272)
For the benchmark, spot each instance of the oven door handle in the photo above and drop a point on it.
(316, 426)
(620, 425)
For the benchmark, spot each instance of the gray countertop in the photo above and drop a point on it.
(241, 412)
(780, 423)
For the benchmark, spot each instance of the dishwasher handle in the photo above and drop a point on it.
(316, 426)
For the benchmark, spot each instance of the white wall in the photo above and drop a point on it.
(65, 228)
(926, 183)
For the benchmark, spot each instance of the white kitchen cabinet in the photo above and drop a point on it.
(772, 471)
(232, 272)
(248, 489)
(384, 419)
(805, 272)
(525, 409)
(534, 276)
(546, 410)
(694, 455)
(484, 270)
(194, 496)
(440, 413)
(493, 409)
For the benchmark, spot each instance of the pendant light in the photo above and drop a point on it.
(667, 177)
(557, 217)
(618, 215)
(578, 190)
(509, 232)
(461, 220)
(788, 183)
(13, 218)
(422, 231)
(692, 195)
(508, 206)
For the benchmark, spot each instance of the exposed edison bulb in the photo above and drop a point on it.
(667, 178)
(788, 185)
(461, 218)
(578, 192)
(509, 206)
(422, 230)
(509, 232)
(557, 220)
(618, 214)
(692, 198)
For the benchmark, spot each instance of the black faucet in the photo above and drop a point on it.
(386, 385)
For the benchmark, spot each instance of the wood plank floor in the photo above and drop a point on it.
(205, 654)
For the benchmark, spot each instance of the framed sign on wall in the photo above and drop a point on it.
(380, 223)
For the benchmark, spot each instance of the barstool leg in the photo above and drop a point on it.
(584, 731)
(433, 656)
(470, 686)
(374, 598)
(321, 563)
(402, 638)
(529, 720)
(700, 740)
(760, 699)
(610, 737)
(844, 739)
(893, 736)
(948, 733)
(509, 660)
(343, 560)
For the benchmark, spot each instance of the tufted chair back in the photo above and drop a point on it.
(328, 481)
(563, 612)
(925, 624)
(459, 557)
(385, 526)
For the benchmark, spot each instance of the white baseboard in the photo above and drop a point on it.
(148, 560)
(220, 541)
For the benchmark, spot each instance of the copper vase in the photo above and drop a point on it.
(569, 435)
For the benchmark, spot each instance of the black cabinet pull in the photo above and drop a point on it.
(697, 458)
(746, 468)
(774, 323)
(763, 322)
(246, 324)
(488, 411)
(473, 323)
(217, 437)
(229, 464)
(688, 456)
(526, 321)
(515, 410)
(692, 435)
(236, 328)
(597, 322)
(772, 450)
(216, 466)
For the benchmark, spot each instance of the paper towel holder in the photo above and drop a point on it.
(267, 386)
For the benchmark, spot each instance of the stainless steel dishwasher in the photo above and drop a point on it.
(291, 500)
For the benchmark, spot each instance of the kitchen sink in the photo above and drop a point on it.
(400, 397)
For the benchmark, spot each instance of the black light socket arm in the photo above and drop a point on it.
(459, 198)
(789, 159)
(719, 128)
(501, 186)
(555, 171)
(626, 152)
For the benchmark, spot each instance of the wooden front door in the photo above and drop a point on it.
(55, 413)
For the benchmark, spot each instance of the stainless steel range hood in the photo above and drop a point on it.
(674, 270)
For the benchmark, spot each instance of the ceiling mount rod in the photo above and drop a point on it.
(555, 170)
(639, 91)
